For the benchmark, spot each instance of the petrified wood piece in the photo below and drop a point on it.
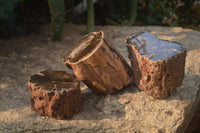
(98, 64)
(158, 65)
(55, 94)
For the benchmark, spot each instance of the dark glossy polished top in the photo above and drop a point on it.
(153, 48)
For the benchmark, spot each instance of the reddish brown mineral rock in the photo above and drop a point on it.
(98, 64)
(55, 94)
(158, 65)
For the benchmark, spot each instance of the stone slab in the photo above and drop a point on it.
(129, 110)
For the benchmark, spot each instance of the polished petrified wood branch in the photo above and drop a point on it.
(55, 94)
(158, 65)
(98, 64)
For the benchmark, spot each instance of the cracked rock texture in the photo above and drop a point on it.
(128, 110)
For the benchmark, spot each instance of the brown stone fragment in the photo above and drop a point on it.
(158, 65)
(98, 64)
(55, 94)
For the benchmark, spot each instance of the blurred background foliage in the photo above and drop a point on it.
(57, 10)
(20, 16)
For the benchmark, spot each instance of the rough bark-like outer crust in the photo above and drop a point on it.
(157, 78)
(56, 104)
(104, 71)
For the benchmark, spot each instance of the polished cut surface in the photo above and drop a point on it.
(54, 80)
(153, 48)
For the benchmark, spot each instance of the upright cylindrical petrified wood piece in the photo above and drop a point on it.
(158, 65)
(55, 94)
(98, 64)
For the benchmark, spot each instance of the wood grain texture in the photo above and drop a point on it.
(98, 64)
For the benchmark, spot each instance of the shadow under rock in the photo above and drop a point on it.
(94, 107)
(98, 107)
(189, 90)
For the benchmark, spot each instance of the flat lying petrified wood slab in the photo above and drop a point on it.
(158, 65)
(98, 64)
(55, 94)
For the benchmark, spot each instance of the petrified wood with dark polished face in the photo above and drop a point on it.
(158, 65)
(55, 94)
(98, 64)
(151, 47)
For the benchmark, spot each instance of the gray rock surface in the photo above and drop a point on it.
(129, 110)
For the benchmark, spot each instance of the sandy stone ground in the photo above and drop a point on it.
(129, 110)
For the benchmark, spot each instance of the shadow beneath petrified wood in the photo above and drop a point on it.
(188, 90)
(98, 107)
(188, 95)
